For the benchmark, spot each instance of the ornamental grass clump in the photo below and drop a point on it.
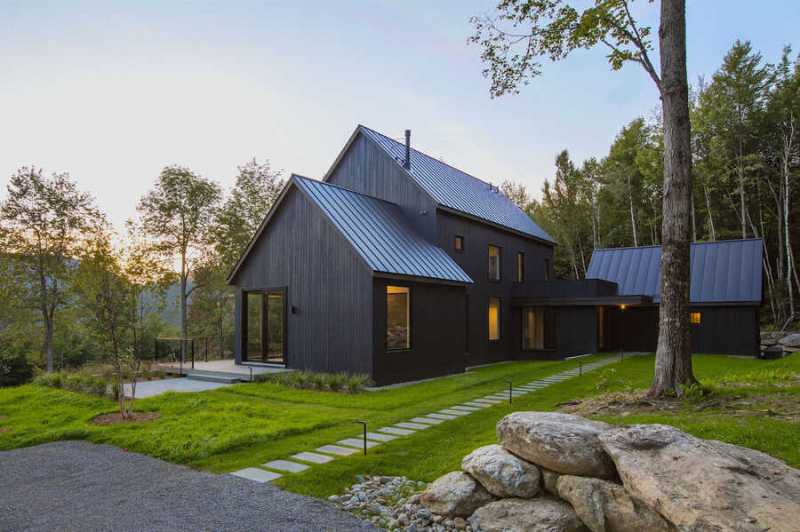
(313, 380)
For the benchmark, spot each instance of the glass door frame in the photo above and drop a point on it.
(265, 335)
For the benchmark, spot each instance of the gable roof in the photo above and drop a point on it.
(726, 271)
(381, 234)
(457, 190)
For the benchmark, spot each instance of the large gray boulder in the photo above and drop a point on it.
(564, 443)
(455, 494)
(604, 506)
(705, 485)
(526, 515)
(502, 473)
(790, 340)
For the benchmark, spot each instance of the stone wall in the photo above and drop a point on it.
(563, 473)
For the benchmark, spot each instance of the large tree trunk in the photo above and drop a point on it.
(633, 216)
(184, 305)
(673, 368)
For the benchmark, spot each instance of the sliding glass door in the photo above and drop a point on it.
(264, 326)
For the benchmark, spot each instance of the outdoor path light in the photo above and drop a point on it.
(364, 423)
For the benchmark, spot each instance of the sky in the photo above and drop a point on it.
(113, 91)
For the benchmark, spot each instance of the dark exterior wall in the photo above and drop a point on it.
(368, 169)
(327, 283)
(723, 330)
(437, 333)
(475, 261)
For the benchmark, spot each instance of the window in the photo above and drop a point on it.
(458, 244)
(538, 329)
(520, 267)
(494, 263)
(695, 318)
(398, 317)
(546, 269)
(494, 318)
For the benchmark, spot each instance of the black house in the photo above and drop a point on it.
(402, 267)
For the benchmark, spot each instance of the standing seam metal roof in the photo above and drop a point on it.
(381, 234)
(458, 190)
(726, 271)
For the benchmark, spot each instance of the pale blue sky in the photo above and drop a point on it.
(113, 91)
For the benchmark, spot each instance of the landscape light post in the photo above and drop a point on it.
(510, 387)
(622, 334)
(364, 423)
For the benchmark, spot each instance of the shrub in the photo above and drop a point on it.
(15, 368)
(79, 381)
(313, 380)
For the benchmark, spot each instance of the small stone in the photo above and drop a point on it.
(460, 523)
(402, 519)
(424, 514)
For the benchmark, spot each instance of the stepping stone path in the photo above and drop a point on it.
(350, 446)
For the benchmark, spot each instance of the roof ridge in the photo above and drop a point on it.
(691, 243)
(428, 156)
(325, 183)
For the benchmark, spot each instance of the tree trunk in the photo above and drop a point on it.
(633, 217)
(48, 341)
(740, 171)
(673, 369)
(184, 298)
(713, 234)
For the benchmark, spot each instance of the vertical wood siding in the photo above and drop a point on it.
(327, 284)
(437, 333)
(475, 262)
(368, 169)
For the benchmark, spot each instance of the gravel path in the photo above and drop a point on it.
(82, 486)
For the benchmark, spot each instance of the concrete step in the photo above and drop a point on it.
(211, 376)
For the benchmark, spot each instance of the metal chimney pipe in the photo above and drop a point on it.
(407, 161)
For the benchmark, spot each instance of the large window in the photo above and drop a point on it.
(264, 326)
(520, 267)
(538, 329)
(398, 317)
(494, 263)
(494, 318)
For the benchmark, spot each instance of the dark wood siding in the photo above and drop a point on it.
(437, 333)
(723, 330)
(475, 261)
(368, 169)
(329, 288)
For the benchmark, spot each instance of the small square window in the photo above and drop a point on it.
(695, 318)
(458, 243)
(494, 263)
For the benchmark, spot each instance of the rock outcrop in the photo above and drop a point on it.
(704, 485)
(527, 515)
(502, 473)
(604, 506)
(564, 443)
(559, 472)
(455, 495)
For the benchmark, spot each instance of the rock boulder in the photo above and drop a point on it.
(704, 485)
(526, 515)
(549, 481)
(791, 340)
(502, 473)
(606, 507)
(564, 443)
(455, 494)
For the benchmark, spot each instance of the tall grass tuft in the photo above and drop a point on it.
(313, 380)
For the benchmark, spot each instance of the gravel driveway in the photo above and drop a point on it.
(82, 486)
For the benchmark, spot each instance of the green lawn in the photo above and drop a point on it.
(245, 425)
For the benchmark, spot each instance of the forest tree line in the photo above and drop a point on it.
(76, 291)
(745, 153)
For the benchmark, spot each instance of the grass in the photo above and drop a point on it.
(245, 425)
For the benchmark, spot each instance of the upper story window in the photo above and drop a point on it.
(520, 267)
(494, 263)
(546, 269)
(398, 317)
(458, 243)
(695, 318)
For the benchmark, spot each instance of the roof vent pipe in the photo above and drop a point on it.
(407, 161)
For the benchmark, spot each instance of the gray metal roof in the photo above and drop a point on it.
(726, 271)
(458, 190)
(381, 234)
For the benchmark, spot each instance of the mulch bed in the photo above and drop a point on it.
(783, 406)
(116, 418)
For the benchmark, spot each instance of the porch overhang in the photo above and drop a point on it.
(592, 301)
